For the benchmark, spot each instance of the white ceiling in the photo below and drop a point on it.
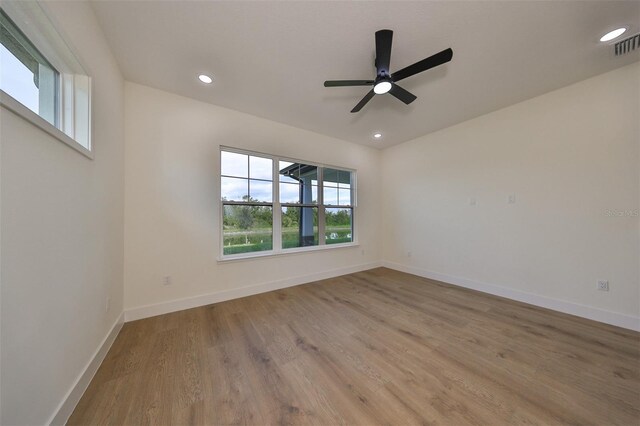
(270, 59)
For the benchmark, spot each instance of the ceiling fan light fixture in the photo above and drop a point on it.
(613, 34)
(382, 87)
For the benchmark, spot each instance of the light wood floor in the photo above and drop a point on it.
(375, 347)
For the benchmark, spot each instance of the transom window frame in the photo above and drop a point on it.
(277, 206)
(70, 118)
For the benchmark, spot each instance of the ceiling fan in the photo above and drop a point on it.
(385, 82)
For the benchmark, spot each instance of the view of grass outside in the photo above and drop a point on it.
(249, 228)
(292, 227)
(338, 228)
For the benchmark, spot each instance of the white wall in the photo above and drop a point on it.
(569, 156)
(172, 192)
(61, 238)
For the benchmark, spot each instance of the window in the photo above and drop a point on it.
(26, 75)
(338, 206)
(299, 204)
(47, 86)
(276, 205)
(246, 188)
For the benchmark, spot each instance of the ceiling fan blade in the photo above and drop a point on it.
(423, 65)
(341, 83)
(364, 100)
(383, 50)
(404, 95)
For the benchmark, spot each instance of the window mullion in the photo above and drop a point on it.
(354, 201)
(321, 233)
(65, 104)
(277, 210)
(221, 227)
(248, 177)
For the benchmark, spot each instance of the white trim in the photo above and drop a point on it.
(221, 296)
(284, 252)
(276, 218)
(71, 399)
(7, 101)
(322, 211)
(571, 308)
(34, 19)
(281, 158)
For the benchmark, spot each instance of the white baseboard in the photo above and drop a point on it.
(589, 312)
(71, 399)
(221, 296)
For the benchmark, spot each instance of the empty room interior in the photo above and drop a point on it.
(319, 212)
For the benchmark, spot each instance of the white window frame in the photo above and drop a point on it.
(276, 206)
(73, 122)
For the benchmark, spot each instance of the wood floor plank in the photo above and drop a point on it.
(230, 398)
(373, 347)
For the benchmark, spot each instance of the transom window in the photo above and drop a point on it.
(277, 205)
(26, 74)
(40, 78)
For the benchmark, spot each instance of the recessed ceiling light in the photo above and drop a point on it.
(382, 87)
(205, 79)
(377, 135)
(613, 34)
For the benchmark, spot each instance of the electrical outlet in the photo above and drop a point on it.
(107, 305)
(511, 199)
(166, 280)
(408, 254)
(473, 201)
(363, 252)
(603, 285)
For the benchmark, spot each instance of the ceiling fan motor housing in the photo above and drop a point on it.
(383, 77)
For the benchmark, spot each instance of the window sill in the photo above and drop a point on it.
(287, 252)
(8, 102)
